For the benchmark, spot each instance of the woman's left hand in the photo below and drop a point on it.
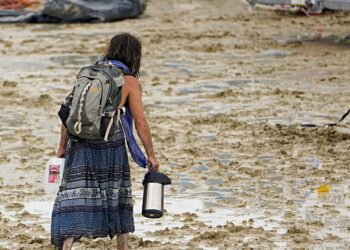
(61, 152)
(151, 161)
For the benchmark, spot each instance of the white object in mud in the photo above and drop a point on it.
(53, 174)
(312, 6)
(298, 2)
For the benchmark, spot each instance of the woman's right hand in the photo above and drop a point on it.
(151, 161)
(132, 92)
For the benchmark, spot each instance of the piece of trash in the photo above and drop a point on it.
(68, 11)
(17, 4)
(323, 188)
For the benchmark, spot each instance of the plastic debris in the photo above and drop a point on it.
(54, 11)
(17, 4)
(323, 188)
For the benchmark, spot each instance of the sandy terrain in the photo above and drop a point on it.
(225, 87)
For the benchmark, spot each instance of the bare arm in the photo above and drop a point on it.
(63, 142)
(141, 124)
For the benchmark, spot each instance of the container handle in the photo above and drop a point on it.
(150, 168)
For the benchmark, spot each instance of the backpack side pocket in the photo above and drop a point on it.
(63, 113)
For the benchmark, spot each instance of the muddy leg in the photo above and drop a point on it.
(68, 243)
(122, 241)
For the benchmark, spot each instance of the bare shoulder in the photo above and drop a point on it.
(131, 89)
(132, 83)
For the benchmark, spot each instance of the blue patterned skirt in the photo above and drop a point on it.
(97, 199)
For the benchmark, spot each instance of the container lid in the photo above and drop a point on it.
(156, 177)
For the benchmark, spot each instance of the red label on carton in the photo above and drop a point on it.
(54, 173)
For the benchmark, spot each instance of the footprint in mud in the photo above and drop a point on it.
(42, 100)
(189, 217)
(14, 206)
(9, 84)
(25, 215)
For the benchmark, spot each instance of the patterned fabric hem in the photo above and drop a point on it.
(95, 193)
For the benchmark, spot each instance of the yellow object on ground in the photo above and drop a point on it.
(323, 188)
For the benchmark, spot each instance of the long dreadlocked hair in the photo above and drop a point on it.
(126, 48)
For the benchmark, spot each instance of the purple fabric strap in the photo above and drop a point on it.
(119, 64)
(135, 151)
(127, 121)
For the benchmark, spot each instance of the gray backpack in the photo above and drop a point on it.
(93, 103)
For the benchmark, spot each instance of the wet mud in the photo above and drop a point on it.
(225, 87)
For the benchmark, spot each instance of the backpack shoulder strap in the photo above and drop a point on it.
(126, 73)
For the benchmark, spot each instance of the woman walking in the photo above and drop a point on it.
(97, 198)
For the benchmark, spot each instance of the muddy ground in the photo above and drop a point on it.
(225, 88)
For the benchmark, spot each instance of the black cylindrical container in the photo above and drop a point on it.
(153, 194)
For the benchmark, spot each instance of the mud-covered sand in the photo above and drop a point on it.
(225, 87)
